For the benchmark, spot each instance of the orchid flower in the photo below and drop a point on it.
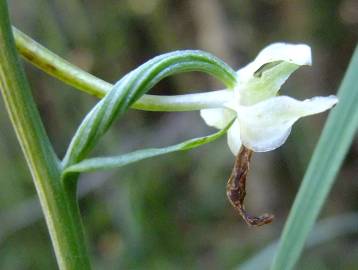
(264, 119)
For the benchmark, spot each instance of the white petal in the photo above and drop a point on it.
(266, 125)
(262, 78)
(233, 138)
(299, 54)
(217, 117)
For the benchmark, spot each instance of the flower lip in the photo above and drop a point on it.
(265, 126)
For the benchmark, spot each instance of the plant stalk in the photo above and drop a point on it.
(61, 69)
(58, 204)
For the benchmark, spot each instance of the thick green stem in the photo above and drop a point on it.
(59, 205)
(61, 69)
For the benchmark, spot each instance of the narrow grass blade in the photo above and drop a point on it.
(327, 159)
(325, 230)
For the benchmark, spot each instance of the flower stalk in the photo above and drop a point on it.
(63, 70)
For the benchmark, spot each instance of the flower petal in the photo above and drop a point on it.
(266, 125)
(218, 117)
(233, 138)
(262, 78)
(299, 54)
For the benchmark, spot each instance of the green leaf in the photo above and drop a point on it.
(132, 86)
(103, 163)
(327, 159)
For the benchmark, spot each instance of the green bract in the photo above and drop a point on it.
(263, 119)
(124, 93)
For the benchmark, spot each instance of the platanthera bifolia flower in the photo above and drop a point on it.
(264, 119)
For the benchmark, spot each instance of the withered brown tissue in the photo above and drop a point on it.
(236, 189)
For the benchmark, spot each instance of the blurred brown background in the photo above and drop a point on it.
(171, 212)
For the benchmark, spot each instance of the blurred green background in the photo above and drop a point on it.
(171, 212)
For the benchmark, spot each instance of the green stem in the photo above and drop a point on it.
(61, 69)
(59, 205)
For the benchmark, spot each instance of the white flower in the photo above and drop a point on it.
(263, 119)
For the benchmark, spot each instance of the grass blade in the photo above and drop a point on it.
(327, 159)
(325, 230)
